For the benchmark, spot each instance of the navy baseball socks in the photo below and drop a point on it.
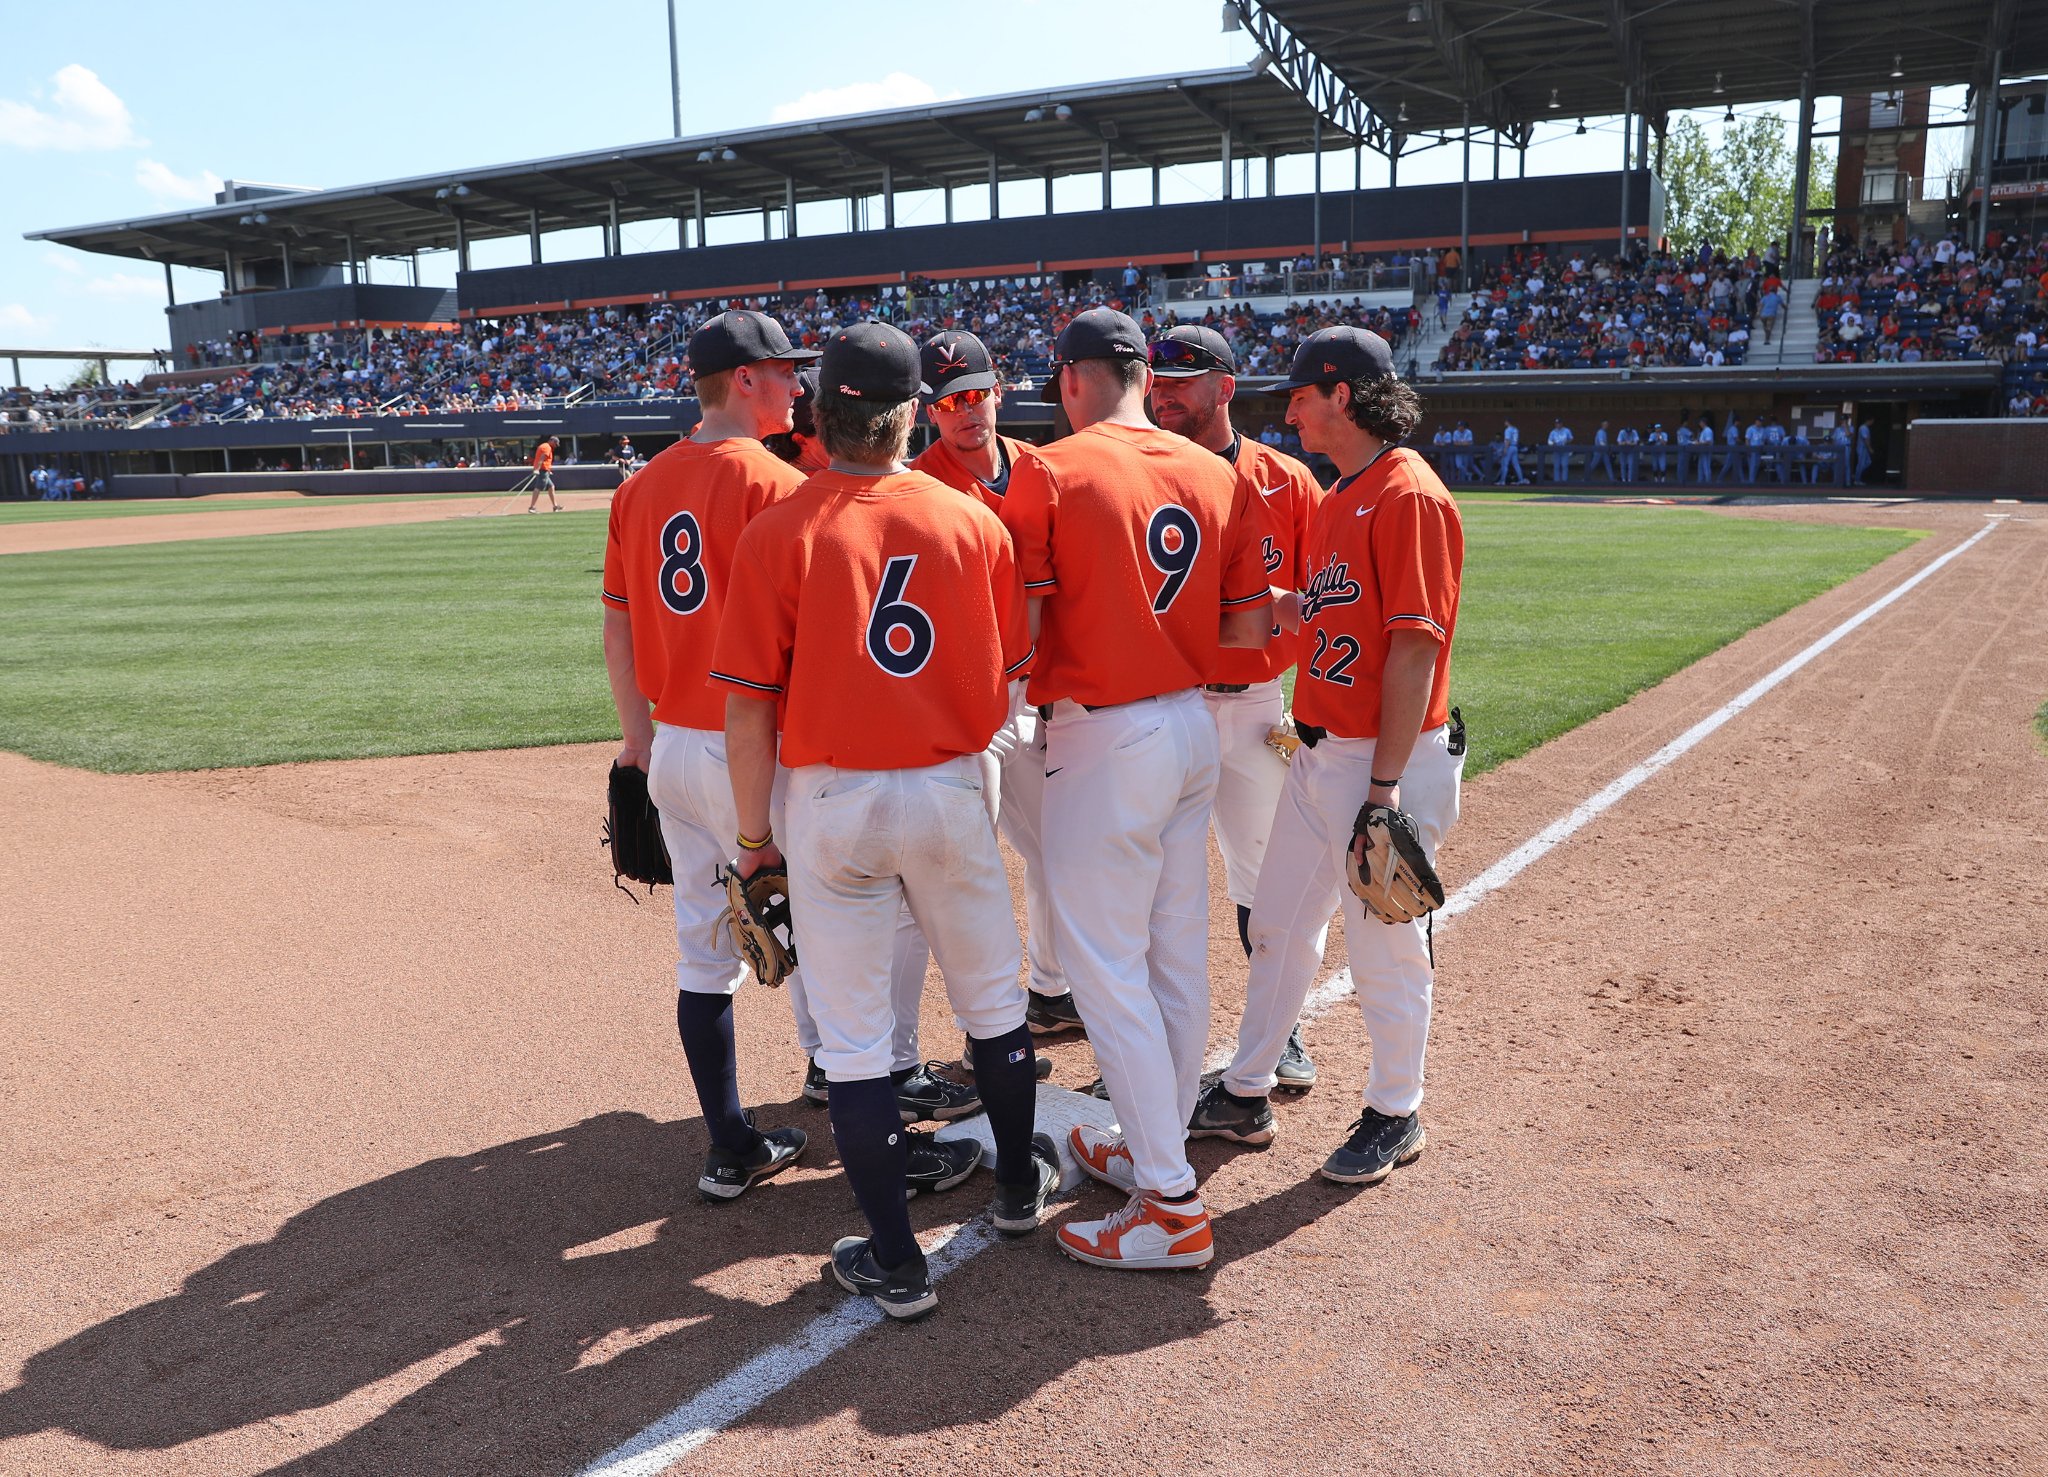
(705, 1024)
(872, 1149)
(1007, 1075)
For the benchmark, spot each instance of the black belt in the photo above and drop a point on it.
(1227, 687)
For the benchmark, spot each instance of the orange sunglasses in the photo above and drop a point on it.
(961, 400)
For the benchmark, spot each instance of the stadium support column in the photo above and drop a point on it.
(1316, 217)
(1628, 111)
(697, 192)
(284, 255)
(995, 187)
(675, 73)
(1155, 202)
(613, 246)
(1464, 205)
(1802, 176)
(461, 243)
(171, 288)
(1105, 174)
(533, 235)
(1226, 164)
(1271, 191)
(788, 208)
(889, 204)
(353, 276)
(1987, 147)
(1048, 193)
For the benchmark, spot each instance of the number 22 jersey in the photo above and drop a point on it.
(673, 529)
(886, 615)
(1385, 553)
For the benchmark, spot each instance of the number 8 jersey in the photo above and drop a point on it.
(1385, 552)
(887, 615)
(674, 526)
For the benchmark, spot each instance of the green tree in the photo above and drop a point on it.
(1736, 192)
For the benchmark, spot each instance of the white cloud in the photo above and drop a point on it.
(166, 184)
(83, 114)
(897, 90)
(123, 285)
(64, 261)
(15, 316)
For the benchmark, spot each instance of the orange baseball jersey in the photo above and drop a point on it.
(544, 457)
(1138, 539)
(887, 616)
(1386, 553)
(674, 526)
(938, 460)
(1287, 495)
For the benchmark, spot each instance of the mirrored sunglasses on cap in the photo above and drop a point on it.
(1178, 353)
(961, 400)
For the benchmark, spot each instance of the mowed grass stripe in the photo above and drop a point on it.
(442, 637)
(67, 512)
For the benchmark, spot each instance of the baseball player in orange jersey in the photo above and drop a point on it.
(544, 476)
(1385, 557)
(1141, 553)
(673, 530)
(963, 397)
(883, 613)
(1194, 380)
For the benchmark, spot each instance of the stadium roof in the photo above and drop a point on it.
(1418, 63)
(1148, 122)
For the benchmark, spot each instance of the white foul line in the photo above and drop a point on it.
(774, 1370)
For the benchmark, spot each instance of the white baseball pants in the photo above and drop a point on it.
(862, 845)
(1128, 791)
(1302, 883)
(1248, 791)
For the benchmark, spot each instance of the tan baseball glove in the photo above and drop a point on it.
(758, 913)
(1396, 882)
(1283, 740)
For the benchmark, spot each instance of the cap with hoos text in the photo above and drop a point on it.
(872, 362)
(1099, 333)
(1337, 356)
(740, 336)
(954, 361)
(1190, 350)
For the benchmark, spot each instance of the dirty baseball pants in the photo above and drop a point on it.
(687, 780)
(1128, 791)
(1304, 880)
(1248, 780)
(863, 843)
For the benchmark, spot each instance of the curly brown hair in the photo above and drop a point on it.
(1389, 408)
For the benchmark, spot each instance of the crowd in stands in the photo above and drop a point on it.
(1939, 300)
(1570, 309)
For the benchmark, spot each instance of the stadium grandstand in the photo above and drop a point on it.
(1542, 298)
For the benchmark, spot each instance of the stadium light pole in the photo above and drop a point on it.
(675, 72)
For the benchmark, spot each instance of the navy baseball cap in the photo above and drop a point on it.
(1187, 351)
(954, 361)
(872, 362)
(1099, 333)
(1337, 356)
(740, 336)
(803, 411)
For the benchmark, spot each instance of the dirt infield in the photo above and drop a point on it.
(347, 1131)
(232, 522)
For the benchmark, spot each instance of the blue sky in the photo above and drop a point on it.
(137, 110)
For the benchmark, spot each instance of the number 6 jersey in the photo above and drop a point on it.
(673, 529)
(887, 616)
(1386, 552)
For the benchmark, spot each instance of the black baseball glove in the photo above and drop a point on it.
(633, 832)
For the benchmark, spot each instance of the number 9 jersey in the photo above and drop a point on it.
(673, 529)
(1385, 553)
(887, 615)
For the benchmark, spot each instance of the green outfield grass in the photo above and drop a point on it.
(439, 637)
(41, 512)
(2041, 723)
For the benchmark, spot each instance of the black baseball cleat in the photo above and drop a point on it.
(817, 1088)
(928, 1094)
(1377, 1144)
(904, 1292)
(1016, 1208)
(933, 1164)
(1222, 1114)
(727, 1175)
(1296, 1073)
(1049, 1015)
(1041, 1066)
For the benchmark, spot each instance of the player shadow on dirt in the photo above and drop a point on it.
(500, 1291)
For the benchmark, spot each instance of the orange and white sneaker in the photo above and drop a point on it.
(1147, 1234)
(1105, 1156)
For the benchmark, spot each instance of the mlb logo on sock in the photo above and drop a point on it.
(1019, 1054)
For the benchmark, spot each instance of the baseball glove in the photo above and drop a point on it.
(1283, 739)
(1395, 882)
(632, 830)
(758, 913)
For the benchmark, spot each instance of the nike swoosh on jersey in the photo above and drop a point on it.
(1361, 512)
(1269, 491)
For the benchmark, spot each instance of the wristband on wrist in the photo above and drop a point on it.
(1391, 784)
(746, 845)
